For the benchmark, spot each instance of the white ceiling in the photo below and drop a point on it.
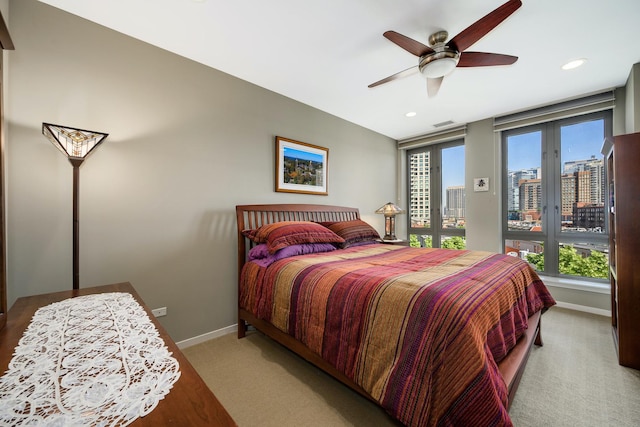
(325, 53)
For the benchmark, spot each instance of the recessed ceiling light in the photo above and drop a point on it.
(574, 64)
(411, 114)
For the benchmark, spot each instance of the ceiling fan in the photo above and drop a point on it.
(442, 57)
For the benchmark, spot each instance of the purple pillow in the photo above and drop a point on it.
(261, 256)
(258, 252)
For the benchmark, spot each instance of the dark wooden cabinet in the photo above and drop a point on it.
(623, 178)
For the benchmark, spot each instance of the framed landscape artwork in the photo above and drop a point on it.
(301, 167)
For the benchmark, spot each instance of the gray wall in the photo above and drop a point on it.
(187, 143)
(483, 222)
(632, 119)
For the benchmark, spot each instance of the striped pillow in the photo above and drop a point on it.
(286, 233)
(353, 232)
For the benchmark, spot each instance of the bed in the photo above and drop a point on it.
(434, 336)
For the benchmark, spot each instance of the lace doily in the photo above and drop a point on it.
(93, 360)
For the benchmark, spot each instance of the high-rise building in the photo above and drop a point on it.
(455, 202)
(569, 196)
(513, 186)
(596, 185)
(420, 203)
(583, 192)
(530, 196)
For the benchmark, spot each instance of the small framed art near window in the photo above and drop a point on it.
(301, 167)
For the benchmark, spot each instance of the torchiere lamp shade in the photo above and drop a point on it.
(74, 143)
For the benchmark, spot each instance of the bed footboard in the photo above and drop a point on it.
(512, 366)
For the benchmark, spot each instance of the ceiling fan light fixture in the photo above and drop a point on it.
(439, 64)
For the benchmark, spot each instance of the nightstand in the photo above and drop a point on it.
(395, 242)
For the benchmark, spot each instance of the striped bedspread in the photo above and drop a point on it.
(421, 330)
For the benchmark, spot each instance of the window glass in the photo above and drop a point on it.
(584, 259)
(420, 241)
(436, 194)
(524, 181)
(453, 242)
(420, 185)
(528, 250)
(453, 202)
(583, 180)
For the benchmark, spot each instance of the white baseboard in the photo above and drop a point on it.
(206, 337)
(584, 308)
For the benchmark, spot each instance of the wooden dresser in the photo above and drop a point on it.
(622, 156)
(189, 403)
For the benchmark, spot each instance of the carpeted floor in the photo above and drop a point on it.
(573, 380)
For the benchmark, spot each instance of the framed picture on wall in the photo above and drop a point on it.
(301, 167)
(480, 184)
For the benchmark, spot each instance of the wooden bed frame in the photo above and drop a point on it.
(254, 216)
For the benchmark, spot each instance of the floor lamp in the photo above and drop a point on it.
(76, 144)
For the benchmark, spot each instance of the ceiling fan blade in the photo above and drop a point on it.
(408, 44)
(395, 76)
(480, 28)
(482, 59)
(433, 86)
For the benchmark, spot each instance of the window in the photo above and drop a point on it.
(437, 195)
(554, 196)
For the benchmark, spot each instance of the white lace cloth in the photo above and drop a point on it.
(93, 360)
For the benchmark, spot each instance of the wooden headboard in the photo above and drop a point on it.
(254, 216)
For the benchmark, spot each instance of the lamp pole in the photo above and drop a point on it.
(76, 162)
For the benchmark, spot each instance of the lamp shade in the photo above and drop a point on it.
(74, 143)
(390, 209)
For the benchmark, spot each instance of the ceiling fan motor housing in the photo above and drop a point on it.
(440, 62)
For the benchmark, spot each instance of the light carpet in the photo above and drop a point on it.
(573, 380)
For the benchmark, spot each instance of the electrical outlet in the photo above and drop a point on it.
(159, 312)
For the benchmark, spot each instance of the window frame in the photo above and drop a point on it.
(435, 230)
(551, 192)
